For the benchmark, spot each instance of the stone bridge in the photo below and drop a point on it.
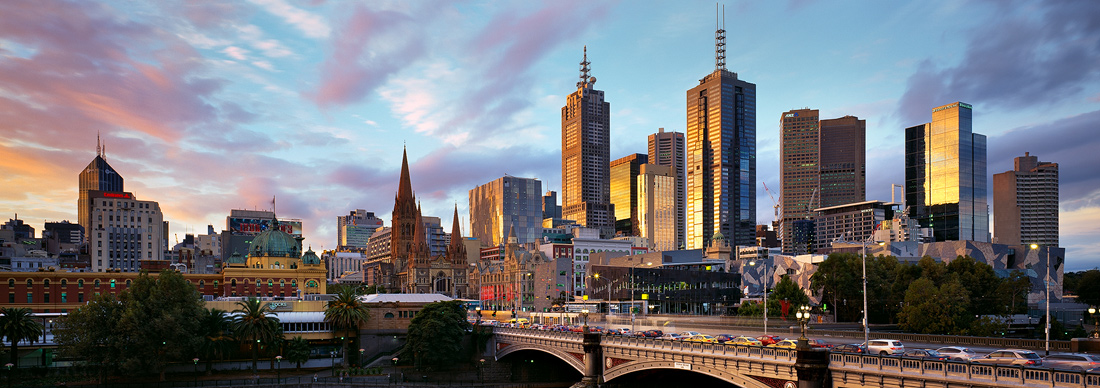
(605, 358)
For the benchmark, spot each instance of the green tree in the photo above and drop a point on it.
(90, 332)
(787, 290)
(436, 332)
(17, 324)
(255, 323)
(346, 312)
(1088, 288)
(216, 336)
(297, 351)
(934, 310)
(161, 316)
(1016, 286)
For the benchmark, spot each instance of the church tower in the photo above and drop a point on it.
(404, 218)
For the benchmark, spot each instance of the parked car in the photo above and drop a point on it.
(927, 354)
(849, 348)
(743, 340)
(957, 353)
(673, 336)
(702, 338)
(689, 333)
(652, 333)
(785, 344)
(1011, 357)
(1074, 361)
(768, 339)
(816, 343)
(884, 347)
(723, 338)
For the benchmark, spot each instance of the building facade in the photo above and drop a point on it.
(98, 176)
(657, 211)
(1025, 203)
(550, 207)
(506, 201)
(851, 222)
(667, 149)
(585, 156)
(354, 230)
(124, 231)
(945, 175)
(624, 193)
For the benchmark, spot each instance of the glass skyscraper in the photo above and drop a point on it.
(945, 175)
(506, 202)
(97, 176)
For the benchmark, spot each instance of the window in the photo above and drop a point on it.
(233, 282)
(64, 298)
(45, 282)
(80, 297)
(112, 283)
(64, 283)
(97, 282)
(388, 315)
(30, 283)
(128, 283)
(11, 297)
(30, 298)
(202, 283)
(11, 283)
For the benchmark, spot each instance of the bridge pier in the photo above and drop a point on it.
(812, 367)
(593, 361)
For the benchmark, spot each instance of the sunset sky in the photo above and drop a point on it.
(209, 106)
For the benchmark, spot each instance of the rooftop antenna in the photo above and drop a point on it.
(585, 79)
(720, 38)
(98, 145)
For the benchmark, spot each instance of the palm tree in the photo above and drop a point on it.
(255, 324)
(17, 324)
(297, 351)
(216, 335)
(346, 312)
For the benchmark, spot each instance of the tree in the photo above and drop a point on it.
(934, 310)
(216, 335)
(18, 324)
(297, 351)
(839, 281)
(436, 332)
(90, 332)
(346, 312)
(254, 324)
(1088, 288)
(161, 316)
(787, 290)
(1017, 286)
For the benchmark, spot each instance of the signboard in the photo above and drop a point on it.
(253, 226)
(117, 195)
(682, 365)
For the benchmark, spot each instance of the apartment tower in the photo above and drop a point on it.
(667, 149)
(624, 193)
(585, 156)
(1025, 203)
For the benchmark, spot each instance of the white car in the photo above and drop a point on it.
(885, 347)
(957, 353)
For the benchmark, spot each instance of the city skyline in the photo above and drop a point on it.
(210, 107)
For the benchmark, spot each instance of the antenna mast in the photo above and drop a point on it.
(98, 145)
(720, 38)
(584, 69)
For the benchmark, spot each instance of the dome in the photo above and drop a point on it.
(718, 236)
(310, 258)
(236, 258)
(274, 242)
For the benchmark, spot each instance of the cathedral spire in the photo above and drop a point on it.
(456, 231)
(404, 188)
(420, 252)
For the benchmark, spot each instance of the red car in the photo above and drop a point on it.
(766, 340)
(814, 343)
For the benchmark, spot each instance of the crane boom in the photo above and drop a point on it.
(775, 204)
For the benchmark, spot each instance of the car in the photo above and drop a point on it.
(768, 339)
(884, 347)
(849, 348)
(957, 353)
(1011, 357)
(702, 338)
(723, 338)
(673, 336)
(1073, 361)
(816, 343)
(927, 354)
(785, 344)
(743, 340)
(652, 333)
(689, 333)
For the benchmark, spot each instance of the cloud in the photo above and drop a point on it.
(236, 53)
(311, 25)
(1035, 54)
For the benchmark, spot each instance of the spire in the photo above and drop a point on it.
(456, 232)
(420, 251)
(512, 235)
(586, 80)
(98, 145)
(720, 38)
(404, 188)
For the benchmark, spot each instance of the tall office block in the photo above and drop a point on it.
(667, 149)
(822, 164)
(1025, 203)
(550, 207)
(945, 175)
(354, 230)
(585, 156)
(624, 192)
(657, 210)
(721, 157)
(124, 231)
(503, 203)
(100, 176)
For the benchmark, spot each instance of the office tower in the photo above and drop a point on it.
(18, 228)
(354, 229)
(945, 181)
(1025, 203)
(503, 203)
(721, 157)
(242, 225)
(667, 149)
(550, 207)
(822, 164)
(585, 156)
(99, 175)
(65, 232)
(657, 212)
(624, 193)
(124, 231)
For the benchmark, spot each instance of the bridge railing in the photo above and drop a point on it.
(957, 370)
(702, 348)
(956, 340)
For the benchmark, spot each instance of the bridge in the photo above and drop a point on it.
(605, 358)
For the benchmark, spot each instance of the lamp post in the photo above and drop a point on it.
(766, 281)
(480, 369)
(866, 323)
(332, 354)
(597, 277)
(1095, 323)
(584, 316)
(278, 367)
(1046, 281)
(9, 365)
(196, 361)
(478, 308)
(803, 316)
(632, 295)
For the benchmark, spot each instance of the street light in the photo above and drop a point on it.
(584, 315)
(632, 295)
(332, 354)
(278, 367)
(803, 316)
(866, 323)
(480, 369)
(766, 281)
(196, 361)
(9, 365)
(597, 277)
(1095, 324)
(1046, 341)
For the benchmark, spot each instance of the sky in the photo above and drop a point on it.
(210, 106)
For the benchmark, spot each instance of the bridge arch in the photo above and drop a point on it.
(718, 373)
(577, 364)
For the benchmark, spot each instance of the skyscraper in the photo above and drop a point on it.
(822, 164)
(667, 149)
(585, 156)
(503, 203)
(98, 176)
(1025, 203)
(656, 198)
(945, 175)
(624, 193)
(354, 230)
(721, 156)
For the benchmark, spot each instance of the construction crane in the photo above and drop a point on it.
(810, 204)
(774, 202)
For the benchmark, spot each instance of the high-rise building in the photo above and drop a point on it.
(1025, 203)
(822, 164)
(354, 229)
(99, 175)
(550, 207)
(656, 210)
(18, 228)
(241, 225)
(624, 192)
(498, 205)
(585, 156)
(124, 231)
(945, 175)
(667, 149)
(65, 232)
(721, 157)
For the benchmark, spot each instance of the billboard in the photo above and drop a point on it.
(240, 226)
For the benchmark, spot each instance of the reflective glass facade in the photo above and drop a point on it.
(624, 193)
(667, 149)
(505, 202)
